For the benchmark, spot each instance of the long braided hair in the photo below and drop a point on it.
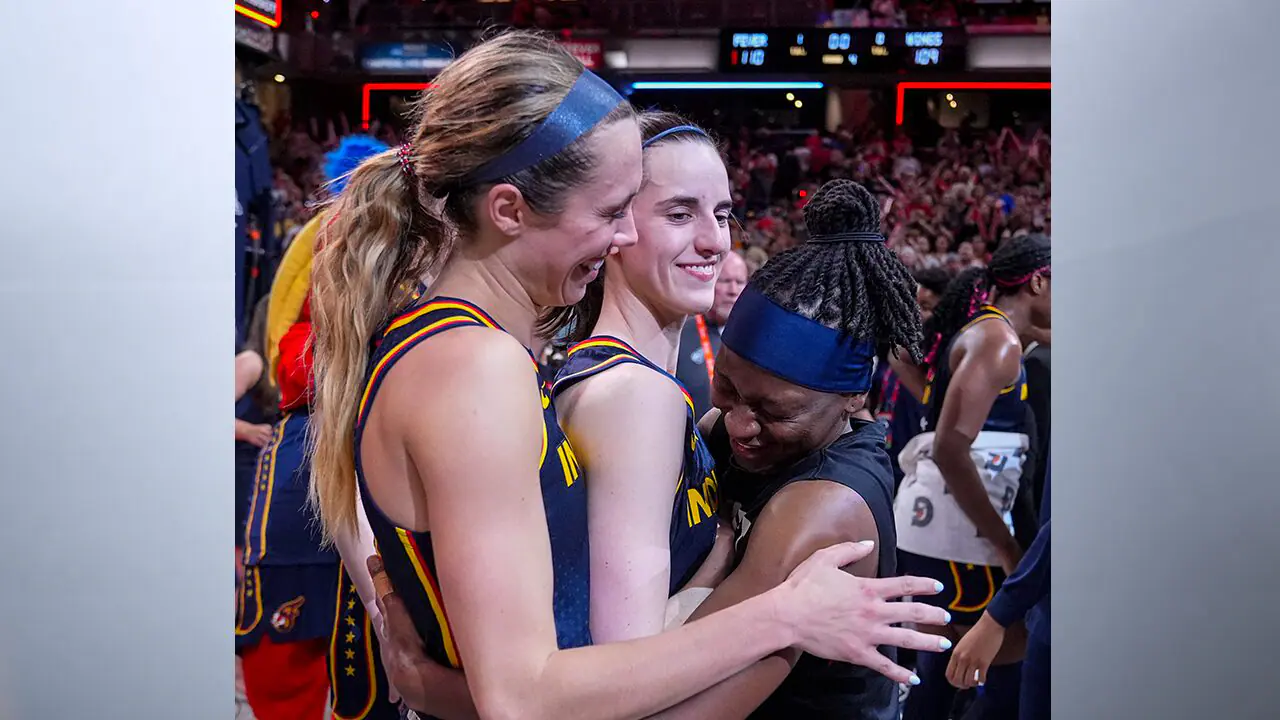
(1012, 267)
(859, 288)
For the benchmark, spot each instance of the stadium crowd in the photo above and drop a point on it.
(948, 205)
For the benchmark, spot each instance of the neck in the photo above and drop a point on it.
(486, 282)
(1015, 307)
(653, 333)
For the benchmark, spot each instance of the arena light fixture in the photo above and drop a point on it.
(903, 87)
(725, 85)
(369, 88)
(272, 21)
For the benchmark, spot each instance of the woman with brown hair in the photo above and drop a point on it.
(517, 183)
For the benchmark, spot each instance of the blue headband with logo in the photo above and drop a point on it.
(797, 349)
(588, 102)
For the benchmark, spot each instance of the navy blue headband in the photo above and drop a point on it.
(797, 349)
(589, 101)
(672, 131)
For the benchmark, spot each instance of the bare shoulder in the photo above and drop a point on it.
(461, 373)
(993, 341)
(805, 517)
(629, 392)
(622, 413)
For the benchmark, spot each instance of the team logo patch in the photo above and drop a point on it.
(286, 616)
(922, 512)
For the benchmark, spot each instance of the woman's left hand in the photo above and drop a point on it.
(973, 654)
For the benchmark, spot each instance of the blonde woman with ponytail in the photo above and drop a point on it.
(516, 183)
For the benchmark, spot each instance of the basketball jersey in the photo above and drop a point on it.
(407, 555)
(930, 521)
(819, 688)
(281, 528)
(697, 495)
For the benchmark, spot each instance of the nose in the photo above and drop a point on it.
(741, 425)
(625, 234)
(711, 239)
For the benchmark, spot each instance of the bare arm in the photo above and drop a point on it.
(799, 519)
(354, 549)
(985, 360)
(248, 371)
(494, 564)
(911, 375)
(627, 426)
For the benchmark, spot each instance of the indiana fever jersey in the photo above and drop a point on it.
(407, 555)
(697, 495)
(930, 521)
(1008, 412)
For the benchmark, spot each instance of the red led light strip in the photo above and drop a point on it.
(273, 22)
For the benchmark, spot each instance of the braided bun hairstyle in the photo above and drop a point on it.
(857, 287)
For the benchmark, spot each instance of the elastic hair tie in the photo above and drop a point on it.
(848, 237)
(690, 129)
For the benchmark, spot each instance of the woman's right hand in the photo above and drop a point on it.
(842, 617)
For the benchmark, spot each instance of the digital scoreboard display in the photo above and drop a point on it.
(851, 50)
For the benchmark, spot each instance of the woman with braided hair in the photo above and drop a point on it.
(516, 185)
(962, 476)
(802, 461)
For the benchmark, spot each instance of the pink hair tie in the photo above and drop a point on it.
(406, 159)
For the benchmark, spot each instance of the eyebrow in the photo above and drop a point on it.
(725, 204)
(624, 203)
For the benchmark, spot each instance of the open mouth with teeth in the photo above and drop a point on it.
(704, 271)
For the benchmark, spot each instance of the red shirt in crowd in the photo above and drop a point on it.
(293, 371)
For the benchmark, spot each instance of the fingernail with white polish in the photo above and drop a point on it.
(915, 679)
(944, 643)
(937, 586)
(948, 616)
(867, 542)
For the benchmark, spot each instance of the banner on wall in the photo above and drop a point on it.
(589, 52)
(410, 58)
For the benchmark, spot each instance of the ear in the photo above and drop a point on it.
(506, 208)
(1037, 284)
(854, 404)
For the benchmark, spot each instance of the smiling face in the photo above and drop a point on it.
(772, 422)
(682, 220)
(566, 252)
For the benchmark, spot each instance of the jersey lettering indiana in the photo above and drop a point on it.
(697, 492)
(408, 556)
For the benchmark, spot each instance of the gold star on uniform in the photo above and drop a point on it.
(351, 654)
(351, 637)
(352, 589)
(351, 672)
(351, 604)
(351, 621)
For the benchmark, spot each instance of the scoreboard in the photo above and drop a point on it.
(849, 50)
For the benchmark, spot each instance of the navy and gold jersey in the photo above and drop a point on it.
(358, 688)
(697, 495)
(281, 528)
(408, 556)
(1009, 413)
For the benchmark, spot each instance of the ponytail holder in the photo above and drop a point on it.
(848, 237)
(405, 152)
